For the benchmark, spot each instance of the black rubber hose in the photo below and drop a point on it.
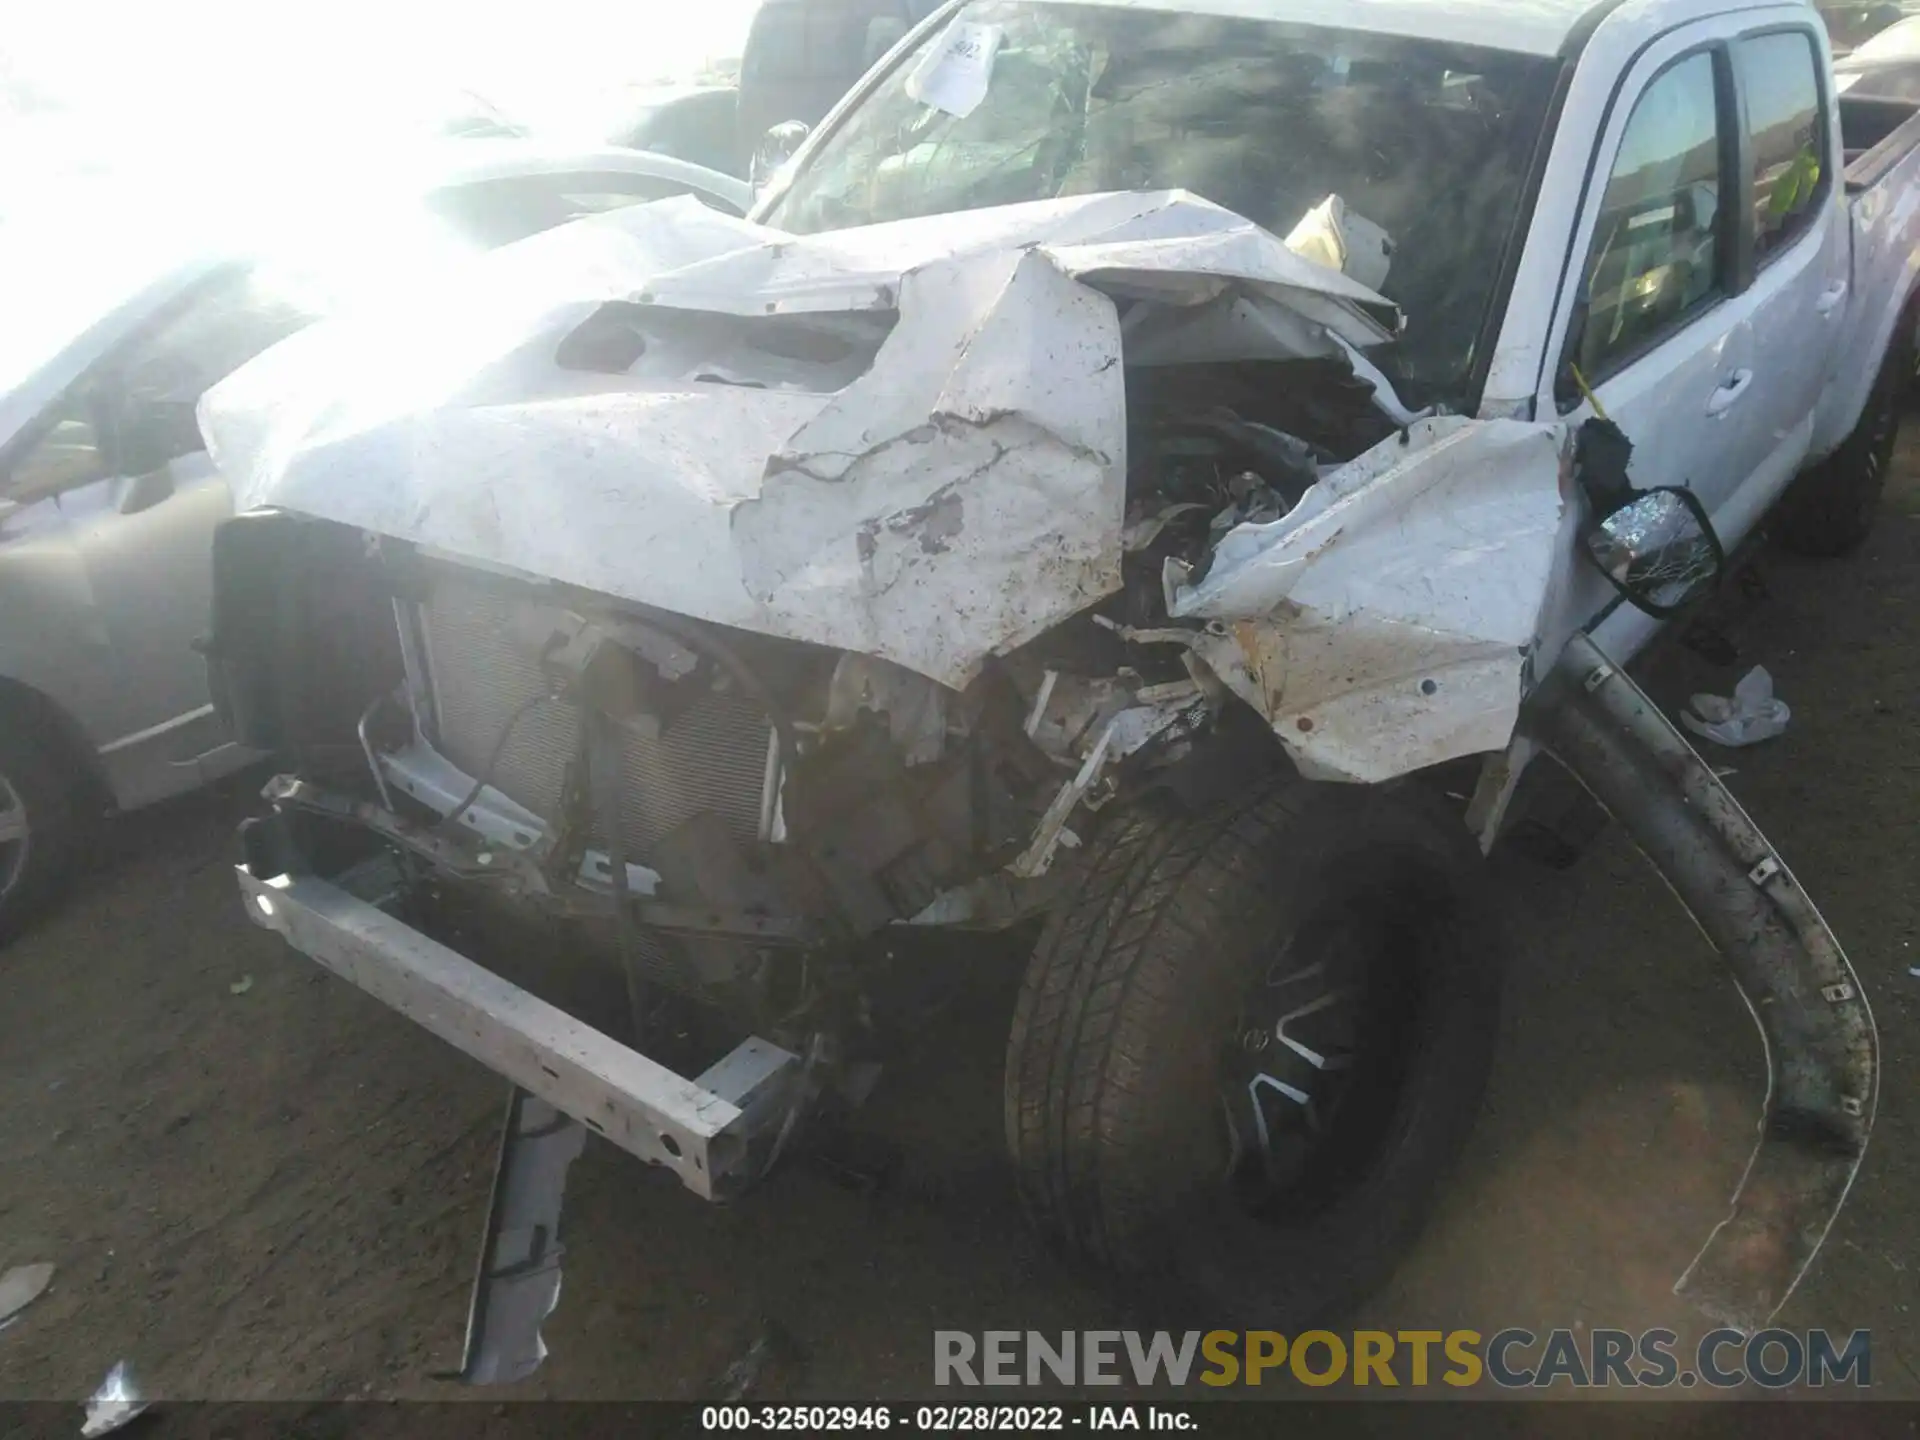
(493, 761)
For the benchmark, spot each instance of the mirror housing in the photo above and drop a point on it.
(1659, 549)
(149, 433)
(135, 493)
(779, 145)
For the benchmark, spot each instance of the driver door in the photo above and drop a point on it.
(1653, 334)
(141, 526)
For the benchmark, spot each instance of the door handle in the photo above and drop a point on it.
(1831, 297)
(1731, 389)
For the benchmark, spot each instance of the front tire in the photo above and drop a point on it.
(1830, 509)
(1250, 1043)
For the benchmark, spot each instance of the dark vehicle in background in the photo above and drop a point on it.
(1852, 25)
(697, 123)
(802, 55)
(1887, 67)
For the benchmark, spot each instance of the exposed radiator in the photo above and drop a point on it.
(483, 650)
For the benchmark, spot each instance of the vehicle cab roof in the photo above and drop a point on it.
(1535, 27)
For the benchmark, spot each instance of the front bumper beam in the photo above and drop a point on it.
(706, 1130)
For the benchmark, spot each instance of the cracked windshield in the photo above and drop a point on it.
(1014, 101)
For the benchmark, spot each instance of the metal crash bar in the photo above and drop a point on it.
(701, 1129)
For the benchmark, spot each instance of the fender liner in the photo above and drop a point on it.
(1814, 1020)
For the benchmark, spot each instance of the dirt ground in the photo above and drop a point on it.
(256, 1182)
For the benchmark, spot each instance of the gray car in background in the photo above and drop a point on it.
(107, 500)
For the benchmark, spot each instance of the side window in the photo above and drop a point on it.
(161, 378)
(1657, 252)
(1786, 129)
(68, 454)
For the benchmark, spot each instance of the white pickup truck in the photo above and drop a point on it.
(1138, 461)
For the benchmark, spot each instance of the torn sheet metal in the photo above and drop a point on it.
(915, 708)
(1385, 623)
(906, 440)
(118, 1402)
(517, 1282)
(1345, 240)
(1164, 711)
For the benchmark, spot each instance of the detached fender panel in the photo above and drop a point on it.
(1814, 1020)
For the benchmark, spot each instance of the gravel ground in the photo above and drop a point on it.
(256, 1182)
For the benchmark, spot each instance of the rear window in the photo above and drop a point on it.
(1786, 128)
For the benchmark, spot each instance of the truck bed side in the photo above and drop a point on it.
(1881, 141)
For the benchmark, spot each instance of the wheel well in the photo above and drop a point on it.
(1240, 750)
(51, 722)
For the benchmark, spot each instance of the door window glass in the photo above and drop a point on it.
(68, 454)
(1786, 136)
(162, 377)
(1656, 256)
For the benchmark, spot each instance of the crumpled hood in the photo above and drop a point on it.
(906, 440)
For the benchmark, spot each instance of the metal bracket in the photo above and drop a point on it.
(517, 1281)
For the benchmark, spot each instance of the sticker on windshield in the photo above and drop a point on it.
(953, 76)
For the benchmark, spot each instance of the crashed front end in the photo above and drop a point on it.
(727, 604)
(733, 597)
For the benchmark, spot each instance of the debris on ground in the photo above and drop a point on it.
(768, 1365)
(241, 986)
(117, 1401)
(20, 1287)
(1752, 714)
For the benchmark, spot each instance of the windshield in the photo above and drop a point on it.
(1027, 99)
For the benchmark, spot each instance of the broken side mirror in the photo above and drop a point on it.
(1659, 549)
(149, 433)
(779, 145)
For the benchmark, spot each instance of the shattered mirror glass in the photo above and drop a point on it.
(1659, 549)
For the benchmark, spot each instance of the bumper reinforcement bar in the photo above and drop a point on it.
(704, 1129)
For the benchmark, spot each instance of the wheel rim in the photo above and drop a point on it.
(14, 836)
(1312, 1074)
